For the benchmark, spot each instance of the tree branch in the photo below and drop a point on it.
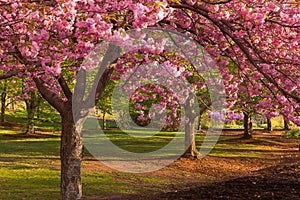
(8, 75)
(64, 85)
(103, 75)
(222, 26)
(49, 95)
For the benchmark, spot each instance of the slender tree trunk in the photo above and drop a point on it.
(30, 108)
(286, 125)
(269, 125)
(38, 107)
(30, 122)
(199, 123)
(71, 158)
(189, 140)
(104, 120)
(3, 103)
(247, 126)
(12, 106)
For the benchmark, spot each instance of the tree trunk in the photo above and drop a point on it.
(286, 125)
(199, 123)
(30, 122)
(189, 140)
(247, 126)
(30, 108)
(269, 125)
(3, 103)
(3, 106)
(104, 121)
(71, 158)
(38, 107)
(71, 143)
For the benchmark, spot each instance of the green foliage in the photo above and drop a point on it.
(294, 133)
(49, 120)
(104, 103)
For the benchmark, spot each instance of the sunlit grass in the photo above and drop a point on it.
(25, 182)
(30, 168)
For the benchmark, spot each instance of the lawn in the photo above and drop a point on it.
(30, 167)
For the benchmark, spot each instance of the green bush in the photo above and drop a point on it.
(295, 133)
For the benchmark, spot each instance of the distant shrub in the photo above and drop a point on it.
(295, 133)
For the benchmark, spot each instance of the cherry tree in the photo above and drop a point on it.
(42, 39)
(260, 37)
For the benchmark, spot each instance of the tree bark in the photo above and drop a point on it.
(286, 125)
(38, 107)
(71, 158)
(104, 120)
(3, 106)
(30, 108)
(199, 123)
(269, 125)
(71, 144)
(30, 122)
(189, 139)
(3, 103)
(247, 126)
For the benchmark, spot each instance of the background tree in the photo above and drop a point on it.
(3, 100)
(10, 92)
(104, 103)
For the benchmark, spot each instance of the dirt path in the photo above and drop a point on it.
(275, 176)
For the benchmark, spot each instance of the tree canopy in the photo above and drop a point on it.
(40, 38)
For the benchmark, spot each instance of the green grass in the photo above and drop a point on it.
(144, 143)
(95, 183)
(50, 122)
(24, 182)
(25, 167)
(30, 168)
